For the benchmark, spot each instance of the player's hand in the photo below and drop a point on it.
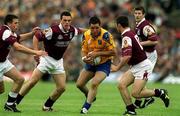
(87, 60)
(35, 29)
(114, 68)
(41, 53)
(92, 55)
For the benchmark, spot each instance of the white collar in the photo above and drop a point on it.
(62, 29)
(8, 27)
(141, 22)
(127, 29)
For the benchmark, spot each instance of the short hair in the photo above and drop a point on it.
(140, 8)
(9, 18)
(123, 21)
(94, 20)
(65, 13)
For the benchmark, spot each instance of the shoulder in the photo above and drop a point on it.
(106, 35)
(7, 33)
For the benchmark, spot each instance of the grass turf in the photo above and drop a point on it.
(108, 103)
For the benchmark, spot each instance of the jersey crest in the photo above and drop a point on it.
(106, 36)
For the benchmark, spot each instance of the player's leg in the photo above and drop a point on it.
(82, 80)
(96, 80)
(1, 86)
(15, 75)
(35, 77)
(147, 101)
(126, 80)
(138, 92)
(60, 81)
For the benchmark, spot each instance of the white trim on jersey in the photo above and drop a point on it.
(140, 22)
(48, 33)
(126, 41)
(147, 29)
(76, 32)
(6, 34)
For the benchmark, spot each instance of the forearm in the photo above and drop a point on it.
(123, 61)
(106, 53)
(24, 49)
(26, 36)
(148, 43)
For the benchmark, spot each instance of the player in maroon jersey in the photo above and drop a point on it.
(139, 71)
(149, 40)
(9, 38)
(56, 40)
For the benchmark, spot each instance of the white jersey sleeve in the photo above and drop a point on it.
(6, 34)
(148, 30)
(126, 41)
(48, 33)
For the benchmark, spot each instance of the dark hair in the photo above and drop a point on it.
(9, 18)
(140, 8)
(65, 13)
(94, 20)
(123, 21)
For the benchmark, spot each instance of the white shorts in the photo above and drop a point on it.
(152, 56)
(5, 67)
(143, 70)
(50, 65)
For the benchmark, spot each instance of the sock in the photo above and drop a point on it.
(157, 92)
(19, 98)
(11, 98)
(49, 102)
(87, 105)
(138, 103)
(130, 108)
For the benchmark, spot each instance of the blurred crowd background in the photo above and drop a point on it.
(164, 15)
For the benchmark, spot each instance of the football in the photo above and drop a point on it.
(97, 60)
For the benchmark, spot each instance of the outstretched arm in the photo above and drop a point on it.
(26, 50)
(28, 35)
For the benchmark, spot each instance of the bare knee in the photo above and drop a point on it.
(121, 86)
(94, 85)
(79, 85)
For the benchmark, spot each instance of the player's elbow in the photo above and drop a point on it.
(17, 46)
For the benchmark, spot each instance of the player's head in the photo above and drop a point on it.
(94, 24)
(122, 23)
(66, 20)
(12, 21)
(139, 13)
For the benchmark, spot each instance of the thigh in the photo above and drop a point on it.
(127, 78)
(59, 79)
(84, 77)
(13, 74)
(98, 77)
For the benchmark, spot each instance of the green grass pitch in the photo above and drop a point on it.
(108, 103)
